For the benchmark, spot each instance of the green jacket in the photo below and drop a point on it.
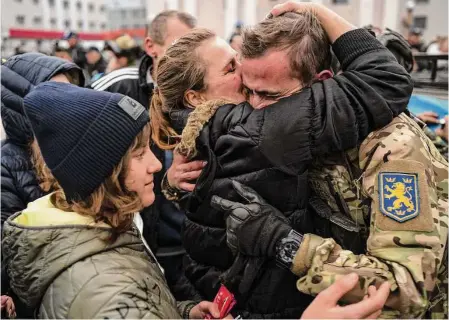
(59, 265)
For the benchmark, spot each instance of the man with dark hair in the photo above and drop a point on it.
(282, 55)
(162, 221)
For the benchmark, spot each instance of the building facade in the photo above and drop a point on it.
(218, 15)
(222, 15)
(57, 15)
(131, 14)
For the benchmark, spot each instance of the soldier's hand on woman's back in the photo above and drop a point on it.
(325, 305)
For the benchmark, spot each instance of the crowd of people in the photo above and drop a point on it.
(282, 165)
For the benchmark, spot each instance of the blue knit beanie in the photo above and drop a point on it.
(83, 134)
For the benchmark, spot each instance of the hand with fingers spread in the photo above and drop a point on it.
(325, 305)
(182, 172)
(254, 228)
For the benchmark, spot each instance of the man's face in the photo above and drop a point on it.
(72, 42)
(414, 39)
(268, 78)
(175, 30)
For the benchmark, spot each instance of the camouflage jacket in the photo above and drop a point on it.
(397, 202)
(439, 143)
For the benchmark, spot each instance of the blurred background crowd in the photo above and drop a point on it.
(105, 35)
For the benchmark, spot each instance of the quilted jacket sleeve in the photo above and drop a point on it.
(122, 296)
(10, 200)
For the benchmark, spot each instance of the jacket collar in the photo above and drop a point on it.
(178, 119)
(146, 65)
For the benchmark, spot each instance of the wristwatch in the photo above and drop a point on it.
(286, 249)
(170, 193)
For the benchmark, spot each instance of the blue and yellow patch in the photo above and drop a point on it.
(399, 195)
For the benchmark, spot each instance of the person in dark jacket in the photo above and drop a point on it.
(96, 64)
(19, 75)
(76, 51)
(162, 221)
(270, 148)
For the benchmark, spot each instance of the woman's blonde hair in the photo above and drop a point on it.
(111, 202)
(180, 69)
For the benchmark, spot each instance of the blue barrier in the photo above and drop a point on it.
(421, 103)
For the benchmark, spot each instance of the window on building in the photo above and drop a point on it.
(80, 24)
(91, 7)
(420, 22)
(92, 25)
(36, 1)
(53, 22)
(65, 4)
(102, 8)
(78, 5)
(124, 26)
(103, 26)
(67, 23)
(123, 13)
(37, 20)
(340, 1)
(18, 0)
(20, 19)
(51, 3)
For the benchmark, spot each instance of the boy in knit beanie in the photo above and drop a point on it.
(76, 253)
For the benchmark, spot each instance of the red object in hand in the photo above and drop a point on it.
(225, 301)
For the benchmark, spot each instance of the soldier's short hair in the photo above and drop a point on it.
(301, 34)
(157, 28)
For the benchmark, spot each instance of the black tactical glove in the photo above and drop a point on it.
(253, 229)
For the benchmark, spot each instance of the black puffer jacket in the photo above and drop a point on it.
(19, 75)
(270, 149)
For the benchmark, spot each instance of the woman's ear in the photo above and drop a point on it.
(193, 98)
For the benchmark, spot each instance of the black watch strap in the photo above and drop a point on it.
(170, 193)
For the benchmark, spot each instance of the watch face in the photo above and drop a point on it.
(288, 251)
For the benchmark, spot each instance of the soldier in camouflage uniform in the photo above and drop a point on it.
(406, 247)
(380, 211)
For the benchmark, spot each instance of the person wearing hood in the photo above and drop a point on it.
(19, 75)
(78, 252)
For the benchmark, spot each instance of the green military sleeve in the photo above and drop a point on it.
(406, 179)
